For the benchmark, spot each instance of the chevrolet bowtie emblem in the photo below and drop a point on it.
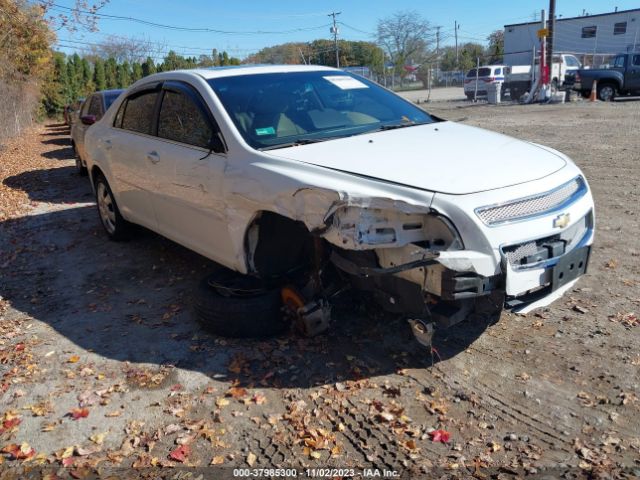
(561, 221)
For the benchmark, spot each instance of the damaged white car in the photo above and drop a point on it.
(313, 179)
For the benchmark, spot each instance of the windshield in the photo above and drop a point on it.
(280, 109)
(110, 97)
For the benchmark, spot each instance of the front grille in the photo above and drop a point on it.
(542, 203)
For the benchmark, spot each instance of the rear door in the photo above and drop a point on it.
(131, 146)
(188, 173)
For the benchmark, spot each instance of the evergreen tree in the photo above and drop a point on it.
(123, 74)
(148, 67)
(110, 71)
(99, 79)
(136, 72)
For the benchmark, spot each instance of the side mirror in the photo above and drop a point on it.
(88, 119)
(216, 144)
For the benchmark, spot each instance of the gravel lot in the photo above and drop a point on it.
(102, 365)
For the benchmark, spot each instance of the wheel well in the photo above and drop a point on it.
(610, 83)
(275, 245)
(95, 171)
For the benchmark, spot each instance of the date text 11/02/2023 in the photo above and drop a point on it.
(315, 473)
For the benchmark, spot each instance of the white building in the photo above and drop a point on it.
(595, 37)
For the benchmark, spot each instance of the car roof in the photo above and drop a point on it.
(231, 71)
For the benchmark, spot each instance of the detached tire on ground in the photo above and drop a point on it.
(239, 306)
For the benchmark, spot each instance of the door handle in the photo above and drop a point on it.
(153, 157)
(107, 144)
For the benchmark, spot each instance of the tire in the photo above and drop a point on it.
(585, 94)
(114, 224)
(470, 96)
(515, 94)
(239, 306)
(606, 92)
(80, 168)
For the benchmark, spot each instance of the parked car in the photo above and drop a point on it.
(623, 78)
(484, 77)
(70, 112)
(518, 78)
(91, 110)
(292, 174)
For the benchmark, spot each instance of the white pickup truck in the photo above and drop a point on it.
(518, 78)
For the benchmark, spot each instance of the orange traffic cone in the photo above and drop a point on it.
(594, 91)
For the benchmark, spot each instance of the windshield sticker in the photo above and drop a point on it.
(344, 82)
(266, 131)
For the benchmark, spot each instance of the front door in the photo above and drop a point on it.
(187, 195)
(632, 77)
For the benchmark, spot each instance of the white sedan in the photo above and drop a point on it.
(265, 169)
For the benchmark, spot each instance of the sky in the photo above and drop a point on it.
(252, 25)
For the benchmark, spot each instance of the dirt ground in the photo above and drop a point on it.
(102, 365)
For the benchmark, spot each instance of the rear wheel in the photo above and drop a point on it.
(606, 92)
(115, 225)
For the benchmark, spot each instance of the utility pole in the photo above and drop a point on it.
(455, 29)
(438, 52)
(334, 30)
(551, 26)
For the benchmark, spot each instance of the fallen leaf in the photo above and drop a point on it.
(316, 455)
(251, 459)
(217, 460)
(98, 438)
(411, 445)
(73, 359)
(222, 402)
(19, 452)
(236, 392)
(77, 413)
(440, 436)
(180, 454)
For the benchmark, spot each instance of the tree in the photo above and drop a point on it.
(111, 73)
(99, 78)
(495, 50)
(405, 38)
(80, 16)
(123, 74)
(148, 67)
(136, 72)
(469, 53)
(123, 49)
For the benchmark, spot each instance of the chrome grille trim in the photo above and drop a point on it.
(533, 206)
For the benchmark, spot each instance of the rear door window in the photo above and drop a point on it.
(138, 112)
(498, 71)
(636, 60)
(182, 120)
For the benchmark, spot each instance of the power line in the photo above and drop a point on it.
(55, 6)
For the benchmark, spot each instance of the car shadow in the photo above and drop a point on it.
(62, 142)
(45, 185)
(131, 302)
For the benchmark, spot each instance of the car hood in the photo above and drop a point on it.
(443, 157)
